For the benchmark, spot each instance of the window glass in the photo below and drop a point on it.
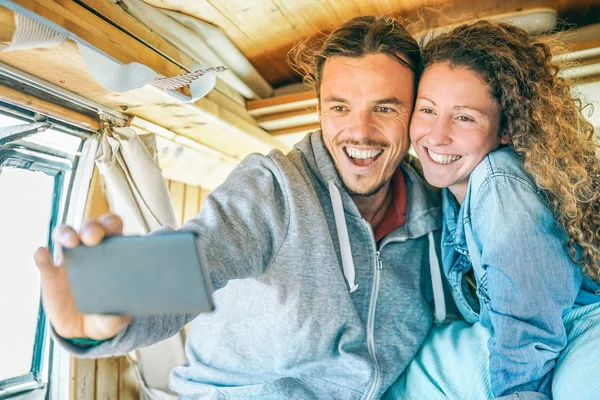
(35, 175)
(25, 215)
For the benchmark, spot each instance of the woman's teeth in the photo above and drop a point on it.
(442, 158)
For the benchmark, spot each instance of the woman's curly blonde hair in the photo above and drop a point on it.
(542, 120)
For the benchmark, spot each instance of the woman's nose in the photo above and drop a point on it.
(439, 132)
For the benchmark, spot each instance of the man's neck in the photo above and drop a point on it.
(374, 208)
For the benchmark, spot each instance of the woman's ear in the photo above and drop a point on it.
(504, 139)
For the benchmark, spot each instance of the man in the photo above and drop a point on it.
(322, 256)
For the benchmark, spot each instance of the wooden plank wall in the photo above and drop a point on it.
(187, 199)
(114, 378)
(107, 378)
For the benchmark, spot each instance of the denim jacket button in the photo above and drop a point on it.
(598, 292)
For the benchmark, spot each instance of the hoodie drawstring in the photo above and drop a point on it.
(436, 282)
(344, 239)
(348, 261)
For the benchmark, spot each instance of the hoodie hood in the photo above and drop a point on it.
(423, 213)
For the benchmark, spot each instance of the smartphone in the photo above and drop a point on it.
(140, 275)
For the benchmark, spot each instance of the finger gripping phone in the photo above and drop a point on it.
(140, 275)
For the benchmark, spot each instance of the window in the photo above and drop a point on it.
(35, 178)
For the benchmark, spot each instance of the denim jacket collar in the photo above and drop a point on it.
(454, 229)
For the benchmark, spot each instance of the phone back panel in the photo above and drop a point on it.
(140, 275)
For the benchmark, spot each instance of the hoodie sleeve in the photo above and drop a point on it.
(242, 225)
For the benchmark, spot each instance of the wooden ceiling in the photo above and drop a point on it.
(265, 30)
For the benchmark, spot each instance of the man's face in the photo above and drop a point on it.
(364, 110)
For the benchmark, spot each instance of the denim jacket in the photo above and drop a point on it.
(525, 279)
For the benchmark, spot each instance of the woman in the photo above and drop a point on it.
(497, 128)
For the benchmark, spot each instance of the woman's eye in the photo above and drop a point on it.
(426, 110)
(465, 119)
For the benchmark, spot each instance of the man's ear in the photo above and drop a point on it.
(504, 139)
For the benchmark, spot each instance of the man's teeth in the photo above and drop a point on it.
(442, 158)
(356, 153)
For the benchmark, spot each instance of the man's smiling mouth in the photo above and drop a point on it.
(362, 157)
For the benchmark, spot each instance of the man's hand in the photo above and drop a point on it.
(57, 297)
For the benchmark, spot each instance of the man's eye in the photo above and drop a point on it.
(338, 108)
(384, 109)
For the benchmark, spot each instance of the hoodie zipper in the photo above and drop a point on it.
(371, 318)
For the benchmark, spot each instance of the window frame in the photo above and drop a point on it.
(64, 167)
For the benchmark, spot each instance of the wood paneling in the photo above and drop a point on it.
(83, 379)
(265, 30)
(97, 205)
(29, 102)
(221, 124)
(105, 378)
(187, 200)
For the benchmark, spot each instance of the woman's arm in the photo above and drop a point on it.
(529, 283)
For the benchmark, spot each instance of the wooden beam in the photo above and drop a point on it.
(101, 34)
(7, 22)
(12, 96)
(297, 129)
(204, 121)
(120, 18)
(279, 104)
(289, 119)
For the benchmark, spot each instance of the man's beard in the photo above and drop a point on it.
(367, 142)
(367, 194)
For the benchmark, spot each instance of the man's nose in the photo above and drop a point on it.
(362, 125)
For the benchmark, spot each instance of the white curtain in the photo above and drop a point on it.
(135, 187)
(137, 192)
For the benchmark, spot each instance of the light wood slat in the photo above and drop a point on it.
(97, 205)
(7, 22)
(177, 190)
(206, 11)
(129, 387)
(133, 27)
(29, 102)
(83, 378)
(266, 47)
(101, 34)
(64, 66)
(107, 378)
(297, 129)
(121, 18)
(192, 199)
(283, 103)
(289, 119)
(203, 195)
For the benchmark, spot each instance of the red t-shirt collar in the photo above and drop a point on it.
(395, 216)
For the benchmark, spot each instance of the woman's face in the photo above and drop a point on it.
(455, 124)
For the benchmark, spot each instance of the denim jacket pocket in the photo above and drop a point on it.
(466, 303)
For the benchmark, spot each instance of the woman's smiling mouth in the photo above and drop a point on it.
(442, 158)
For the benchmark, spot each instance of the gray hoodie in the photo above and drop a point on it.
(309, 306)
